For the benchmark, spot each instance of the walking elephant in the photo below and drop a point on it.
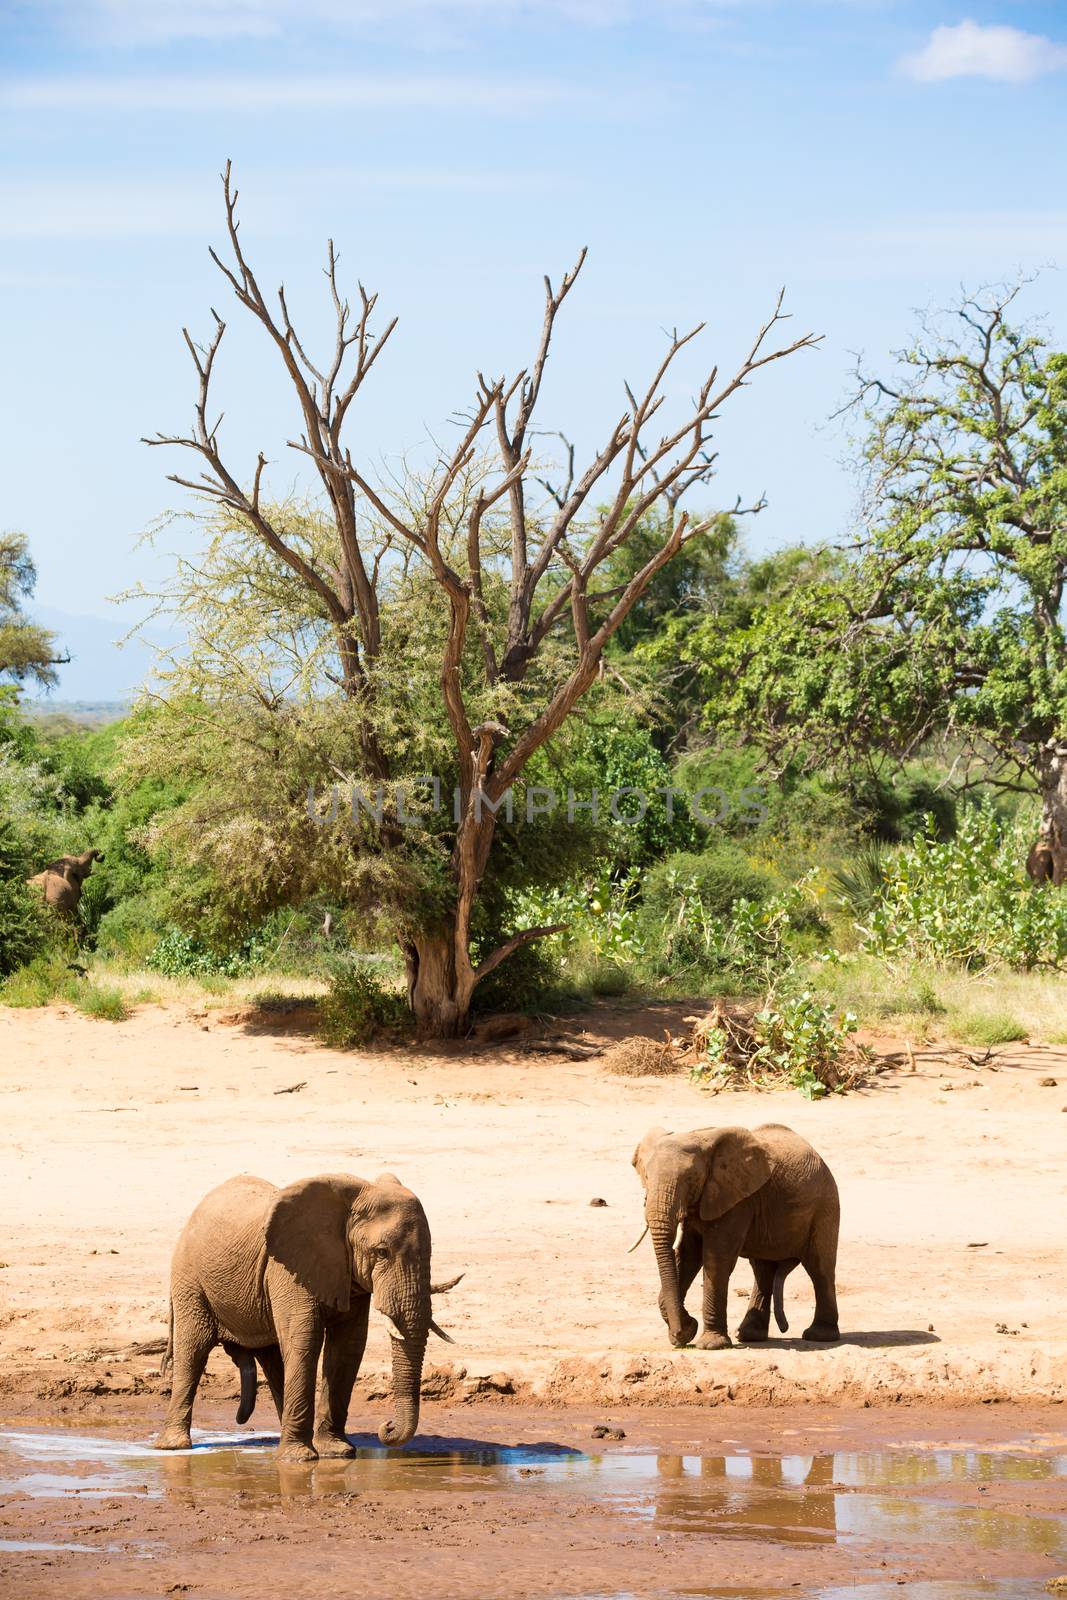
(277, 1276)
(61, 881)
(726, 1192)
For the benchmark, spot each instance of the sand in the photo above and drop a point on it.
(953, 1181)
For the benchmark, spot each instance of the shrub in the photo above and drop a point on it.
(798, 1039)
(523, 982)
(966, 900)
(182, 955)
(356, 1007)
(997, 1027)
(37, 983)
(25, 926)
(96, 1000)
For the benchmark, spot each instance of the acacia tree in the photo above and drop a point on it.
(523, 615)
(949, 615)
(26, 650)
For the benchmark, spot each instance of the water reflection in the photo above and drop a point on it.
(818, 1499)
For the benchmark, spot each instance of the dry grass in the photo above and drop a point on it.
(638, 1057)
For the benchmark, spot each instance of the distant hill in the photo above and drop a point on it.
(101, 673)
(75, 713)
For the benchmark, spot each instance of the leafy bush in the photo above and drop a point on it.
(182, 955)
(37, 983)
(798, 1039)
(523, 982)
(708, 933)
(98, 1000)
(965, 900)
(357, 1006)
(998, 1027)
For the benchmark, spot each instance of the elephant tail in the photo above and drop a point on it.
(781, 1272)
(245, 1362)
(168, 1354)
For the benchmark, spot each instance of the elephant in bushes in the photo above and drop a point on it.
(61, 881)
(726, 1192)
(277, 1275)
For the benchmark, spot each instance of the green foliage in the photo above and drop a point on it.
(965, 900)
(949, 618)
(98, 1000)
(357, 1006)
(181, 955)
(525, 982)
(26, 650)
(799, 1039)
(718, 919)
(25, 925)
(37, 983)
(989, 1028)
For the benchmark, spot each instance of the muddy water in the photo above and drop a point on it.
(939, 1523)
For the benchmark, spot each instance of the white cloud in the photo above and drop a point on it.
(970, 50)
(349, 91)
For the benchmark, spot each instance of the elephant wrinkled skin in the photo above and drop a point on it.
(727, 1192)
(61, 881)
(277, 1275)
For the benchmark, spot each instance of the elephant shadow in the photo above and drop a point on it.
(872, 1340)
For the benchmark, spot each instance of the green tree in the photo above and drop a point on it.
(949, 614)
(448, 624)
(26, 650)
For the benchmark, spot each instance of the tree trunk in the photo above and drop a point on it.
(439, 1000)
(1047, 861)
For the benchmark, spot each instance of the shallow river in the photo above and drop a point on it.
(102, 1516)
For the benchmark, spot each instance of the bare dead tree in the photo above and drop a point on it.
(553, 557)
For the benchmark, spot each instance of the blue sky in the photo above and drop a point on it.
(872, 155)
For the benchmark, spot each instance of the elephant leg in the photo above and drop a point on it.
(720, 1258)
(689, 1257)
(194, 1336)
(272, 1368)
(757, 1319)
(820, 1263)
(300, 1342)
(346, 1339)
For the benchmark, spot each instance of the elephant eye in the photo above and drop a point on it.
(380, 1253)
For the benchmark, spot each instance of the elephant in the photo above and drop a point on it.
(277, 1275)
(764, 1194)
(61, 881)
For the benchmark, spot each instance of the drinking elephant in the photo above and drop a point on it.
(61, 881)
(727, 1192)
(277, 1275)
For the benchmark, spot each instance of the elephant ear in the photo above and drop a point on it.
(307, 1231)
(641, 1155)
(739, 1166)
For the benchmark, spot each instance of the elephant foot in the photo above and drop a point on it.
(294, 1453)
(173, 1439)
(333, 1445)
(822, 1332)
(689, 1329)
(713, 1341)
(753, 1329)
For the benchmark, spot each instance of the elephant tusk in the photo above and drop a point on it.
(443, 1288)
(678, 1235)
(440, 1332)
(637, 1241)
(394, 1330)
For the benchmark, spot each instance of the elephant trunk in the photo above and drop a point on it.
(663, 1228)
(407, 1380)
